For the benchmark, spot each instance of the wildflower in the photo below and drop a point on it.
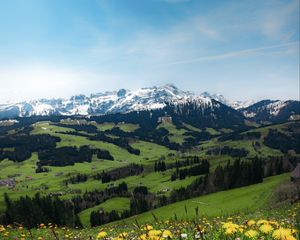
(101, 234)
(42, 225)
(154, 232)
(230, 231)
(148, 227)
(281, 233)
(167, 234)
(183, 235)
(251, 233)
(262, 221)
(143, 237)
(290, 238)
(230, 225)
(274, 223)
(293, 231)
(123, 235)
(250, 223)
(197, 235)
(266, 228)
(2, 228)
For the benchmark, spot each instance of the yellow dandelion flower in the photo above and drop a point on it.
(230, 225)
(293, 231)
(101, 234)
(262, 221)
(143, 237)
(123, 235)
(251, 233)
(250, 223)
(154, 232)
(281, 233)
(290, 238)
(274, 223)
(266, 228)
(148, 227)
(2, 229)
(230, 230)
(167, 234)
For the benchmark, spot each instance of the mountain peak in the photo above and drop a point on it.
(170, 86)
(125, 100)
(121, 93)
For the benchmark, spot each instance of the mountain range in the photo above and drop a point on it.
(122, 101)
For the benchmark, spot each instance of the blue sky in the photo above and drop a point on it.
(58, 48)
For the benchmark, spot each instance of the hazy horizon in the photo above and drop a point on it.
(245, 50)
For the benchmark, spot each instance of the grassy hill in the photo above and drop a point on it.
(27, 182)
(244, 199)
(118, 204)
(253, 220)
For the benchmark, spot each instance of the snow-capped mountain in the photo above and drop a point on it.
(101, 103)
(273, 111)
(146, 98)
(234, 104)
(219, 97)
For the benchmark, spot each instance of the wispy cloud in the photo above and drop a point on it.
(176, 1)
(275, 21)
(108, 45)
(233, 54)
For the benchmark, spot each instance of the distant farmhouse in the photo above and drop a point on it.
(165, 119)
(9, 183)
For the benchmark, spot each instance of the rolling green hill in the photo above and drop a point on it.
(245, 199)
(219, 147)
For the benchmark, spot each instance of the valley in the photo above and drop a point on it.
(192, 157)
(161, 159)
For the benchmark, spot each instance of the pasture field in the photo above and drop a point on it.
(247, 199)
(252, 221)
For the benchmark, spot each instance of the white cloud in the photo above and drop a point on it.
(234, 54)
(208, 31)
(276, 20)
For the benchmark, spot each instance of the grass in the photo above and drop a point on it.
(157, 182)
(212, 131)
(175, 135)
(151, 151)
(248, 198)
(118, 204)
(126, 127)
(53, 181)
(283, 219)
(192, 128)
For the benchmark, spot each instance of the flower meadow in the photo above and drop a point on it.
(279, 224)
